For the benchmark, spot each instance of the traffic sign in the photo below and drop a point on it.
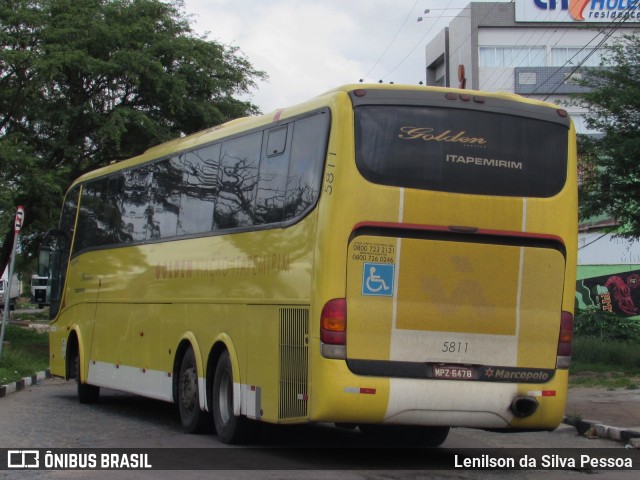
(19, 218)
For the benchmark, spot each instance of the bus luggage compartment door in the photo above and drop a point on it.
(429, 299)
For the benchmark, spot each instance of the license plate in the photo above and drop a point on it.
(453, 373)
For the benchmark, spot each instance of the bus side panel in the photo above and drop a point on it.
(128, 354)
(260, 361)
(78, 318)
(148, 299)
(276, 388)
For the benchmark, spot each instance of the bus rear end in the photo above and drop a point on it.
(452, 304)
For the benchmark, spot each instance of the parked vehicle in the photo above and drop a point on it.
(14, 293)
(39, 290)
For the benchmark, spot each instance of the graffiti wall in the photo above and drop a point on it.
(619, 293)
(608, 274)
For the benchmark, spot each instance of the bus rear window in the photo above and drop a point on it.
(460, 151)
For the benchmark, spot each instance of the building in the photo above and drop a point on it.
(530, 47)
(534, 48)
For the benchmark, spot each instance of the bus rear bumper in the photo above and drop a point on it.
(474, 404)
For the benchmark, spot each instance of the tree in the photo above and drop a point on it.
(86, 83)
(611, 161)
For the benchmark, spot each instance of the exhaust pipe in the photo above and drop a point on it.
(523, 407)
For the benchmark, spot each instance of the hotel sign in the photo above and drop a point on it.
(581, 11)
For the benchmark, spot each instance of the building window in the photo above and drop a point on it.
(573, 56)
(511, 57)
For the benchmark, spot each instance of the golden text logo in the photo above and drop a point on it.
(429, 134)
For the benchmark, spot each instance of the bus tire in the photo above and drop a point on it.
(407, 435)
(230, 428)
(86, 393)
(193, 419)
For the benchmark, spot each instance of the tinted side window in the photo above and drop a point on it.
(116, 227)
(135, 201)
(262, 178)
(89, 224)
(308, 151)
(272, 183)
(276, 141)
(199, 189)
(239, 162)
(162, 214)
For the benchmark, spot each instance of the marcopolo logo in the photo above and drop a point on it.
(516, 375)
(578, 10)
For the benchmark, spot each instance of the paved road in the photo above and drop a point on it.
(48, 415)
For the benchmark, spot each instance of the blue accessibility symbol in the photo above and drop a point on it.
(377, 279)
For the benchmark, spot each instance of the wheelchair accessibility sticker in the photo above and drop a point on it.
(377, 279)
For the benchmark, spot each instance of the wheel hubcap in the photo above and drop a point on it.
(189, 389)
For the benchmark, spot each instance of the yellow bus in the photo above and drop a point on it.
(393, 257)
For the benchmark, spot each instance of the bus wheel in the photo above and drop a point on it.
(86, 393)
(193, 419)
(406, 435)
(230, 428)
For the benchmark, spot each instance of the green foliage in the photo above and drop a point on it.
(606, 350)
(593, 323)
(611, 162)
(613, 355)
(26, 352)
(86, 83)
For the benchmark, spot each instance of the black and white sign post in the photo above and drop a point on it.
(12, 262)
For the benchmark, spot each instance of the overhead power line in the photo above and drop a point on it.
(607, 36)
(419, 41)
(392, 40)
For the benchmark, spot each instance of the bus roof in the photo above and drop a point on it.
(242, 124)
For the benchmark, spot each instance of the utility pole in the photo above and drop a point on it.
(7, 290)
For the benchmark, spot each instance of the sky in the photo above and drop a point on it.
(307, 47)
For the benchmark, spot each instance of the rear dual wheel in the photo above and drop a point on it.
(230, 428)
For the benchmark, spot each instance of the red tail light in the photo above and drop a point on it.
(565, 340)
(333, 322)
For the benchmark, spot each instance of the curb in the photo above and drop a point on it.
(23, 383)
(593, 429)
